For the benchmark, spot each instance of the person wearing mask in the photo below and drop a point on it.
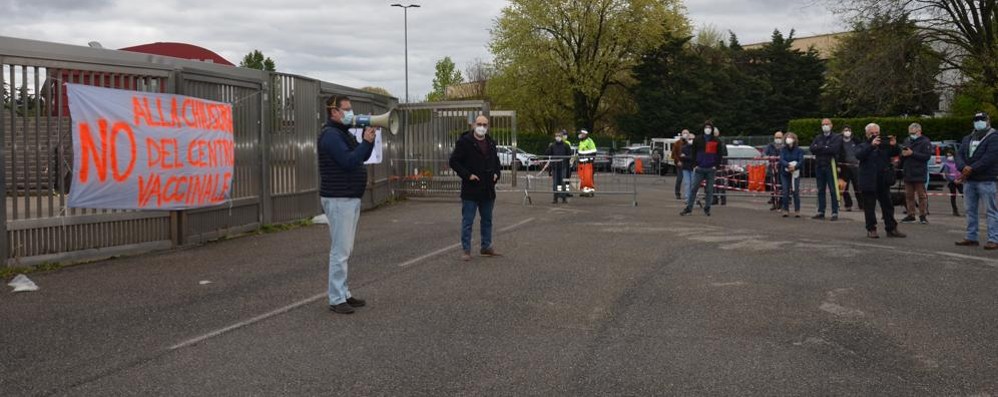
(849, 170)
(708, 153)
(559, 155)
(826, 147)
(951, 173)
(791, 159)
(476, 161)
(677, 149)
(876, 176)
(977, 161)
(773, 151)
(343, 180)
(686, 156)
(587, 154)
(915, 154)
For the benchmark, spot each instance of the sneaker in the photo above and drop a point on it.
(908, 219)
(834, 217)
(466, 256)
(786, 214)
(922, 220)
(848, 209)
(896, 234)
(991, 246)
(685, 212)
(967, 243)
(678, 197)
(354, 302)
(819, 217)
(872, 234)
(956, 213)
(797, 215)
(706, 212)
(489, 252)
(342, 308)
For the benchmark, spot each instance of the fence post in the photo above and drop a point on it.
(4, 249)
(177, 218)
(264, 124)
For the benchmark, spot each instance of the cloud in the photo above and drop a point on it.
(350, 42)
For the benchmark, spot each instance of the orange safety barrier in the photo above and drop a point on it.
(757, 178)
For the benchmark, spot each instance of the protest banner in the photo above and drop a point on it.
(149, 151)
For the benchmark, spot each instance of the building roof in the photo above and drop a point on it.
(180, 50)
(824, 43)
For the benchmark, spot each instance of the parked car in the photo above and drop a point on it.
(524, 160)
(624, 160)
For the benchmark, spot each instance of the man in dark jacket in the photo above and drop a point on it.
(876, 175)
(915, 155)
(476, 161)
(773, 170)
(826, 147)
(977, 161)
(343, 181)
(708, 153)
(849, 169)
(559, 159)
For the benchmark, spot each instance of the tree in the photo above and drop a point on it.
(256, 60)
(883, 68)
(963, 30)
(378, 90)
(446, 76)
(582, 51)
(794, 77)
(477, 74)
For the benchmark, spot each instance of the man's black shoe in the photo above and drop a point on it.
(706, 212)
(685, 212)
(834, 217)
(342, 308)
(354, 302)
(908, 219)
(922, 220)
(819, 217)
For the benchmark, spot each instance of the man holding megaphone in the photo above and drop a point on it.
(344, 179)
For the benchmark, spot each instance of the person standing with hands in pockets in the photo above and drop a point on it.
(476, 161)
(343, 182)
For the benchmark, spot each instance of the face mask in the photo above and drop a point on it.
(689, 140)
(980, 125)
(480, 131)
(708, 131)
(559, 139)
(778, 141)
(790, 141)
(950, 158)
(847, 134)
(826, 128)
(348, 117)
(913, 136)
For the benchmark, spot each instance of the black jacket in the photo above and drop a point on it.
(562, 152)
(915, 168)
(825, 148)
(341, 162)
(875, 168)
(468, 159)
(849, 152)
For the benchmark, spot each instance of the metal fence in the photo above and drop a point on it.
(606, 180)
(276, 121)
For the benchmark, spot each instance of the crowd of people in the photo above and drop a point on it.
(866, 165)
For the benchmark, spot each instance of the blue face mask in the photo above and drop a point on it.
(348, 117)
(981, 125)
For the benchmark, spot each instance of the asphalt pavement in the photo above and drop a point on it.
(593, 297)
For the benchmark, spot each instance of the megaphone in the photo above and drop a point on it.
(389, 120)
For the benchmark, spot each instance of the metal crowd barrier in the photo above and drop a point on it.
(605, 179)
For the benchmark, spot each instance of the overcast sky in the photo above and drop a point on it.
(351, 42)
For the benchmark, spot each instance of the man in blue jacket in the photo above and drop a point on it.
(826, 147)
(343, 182)
(708, 153)
(977, 161)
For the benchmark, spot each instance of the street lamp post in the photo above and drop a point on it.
(405, 13)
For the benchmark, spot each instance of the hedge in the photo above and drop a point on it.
(936, 128)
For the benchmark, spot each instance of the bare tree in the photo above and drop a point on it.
(966, 31)
(478, 73)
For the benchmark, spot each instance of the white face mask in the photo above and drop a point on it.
(481, 131)
(778, 141)
(790, 141)
(708, 131)
(847, 134)
(689, 140)
(950, 158)
(826, 128)
(559, 139)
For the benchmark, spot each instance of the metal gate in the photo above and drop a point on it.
(429, 132)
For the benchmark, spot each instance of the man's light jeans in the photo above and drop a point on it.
(973, 193)
(342, 214)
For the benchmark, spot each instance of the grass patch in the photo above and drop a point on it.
(8, 272)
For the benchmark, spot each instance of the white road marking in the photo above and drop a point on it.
(315, 298)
